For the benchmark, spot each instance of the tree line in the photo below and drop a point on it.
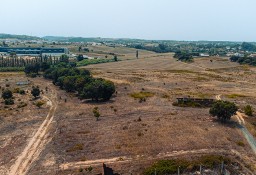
(15, 61)
(80, 81)
(244, 60)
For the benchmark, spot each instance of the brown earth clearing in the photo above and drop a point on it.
(131, 133)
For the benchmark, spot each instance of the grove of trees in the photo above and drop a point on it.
(81, 82)
(244, 60)
(183, 56)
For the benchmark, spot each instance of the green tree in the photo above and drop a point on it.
(248, 110)
(69, 83)
(32, 68)
(224, 110)
(64, 58)
(80, 57)
(7, 94)
(98, 89)
(115, 58)
(9, 101)
(96, 113)
(44, 66)
(35, 91)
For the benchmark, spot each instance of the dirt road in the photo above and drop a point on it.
(241, 125)
(98, 162)
(36, 144)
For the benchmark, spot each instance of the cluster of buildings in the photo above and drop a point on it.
(33, 51)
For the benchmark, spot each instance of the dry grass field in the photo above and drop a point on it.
(130, 133)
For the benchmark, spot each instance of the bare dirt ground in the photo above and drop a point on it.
(21, 134)
(131, 135)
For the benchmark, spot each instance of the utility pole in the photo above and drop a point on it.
(137, 54)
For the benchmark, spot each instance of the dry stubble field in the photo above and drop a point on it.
(142, 132)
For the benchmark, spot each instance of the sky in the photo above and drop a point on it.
(216, 20)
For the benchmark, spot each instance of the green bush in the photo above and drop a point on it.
(248, 110)
(12, 69)
(9, 101)
(164, 167)
(22, 92)
(240, 143)
(39, 104)
(7, 94)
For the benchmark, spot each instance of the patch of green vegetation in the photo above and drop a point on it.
(240, 143)
(235, 95)
(76, 147)
(248, 110)
(12, 69)
(141, 95)
(164, 167)
(182, 71)
(87, 62)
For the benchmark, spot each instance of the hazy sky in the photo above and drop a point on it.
(146, 19)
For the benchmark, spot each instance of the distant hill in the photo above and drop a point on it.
(20, 37)
(71, 39)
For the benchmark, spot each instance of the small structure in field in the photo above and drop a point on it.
(22, 83)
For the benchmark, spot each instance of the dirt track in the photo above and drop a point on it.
(36, 144)
(116, 160)
(241, 125)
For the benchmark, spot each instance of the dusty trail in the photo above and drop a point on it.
(35, 145)
(98, 162)
(241, 125)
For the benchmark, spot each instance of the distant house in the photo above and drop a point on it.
(239, 54)
(204, 55)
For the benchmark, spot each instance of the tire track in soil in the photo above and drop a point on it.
(35, 145)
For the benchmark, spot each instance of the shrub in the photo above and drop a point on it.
(248, 110)
(6, 94)
(240, 143)
(9, 101)
(96, 113)
(39, 104)
(223, 110)
(35, 91)
(22, 92)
